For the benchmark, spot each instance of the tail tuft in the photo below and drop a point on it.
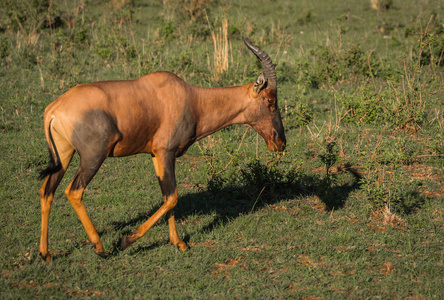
(50, 169)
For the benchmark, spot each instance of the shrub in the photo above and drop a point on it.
(299, 115)
(429, 48)
(166, 31)
(4, 47)
(387, 187)
(329, 157)
(362, 108)
(402, 110)
(258, 175)
(326, 67)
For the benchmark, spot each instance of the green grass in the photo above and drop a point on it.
(352, 209)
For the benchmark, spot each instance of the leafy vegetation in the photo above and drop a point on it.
(352, 209)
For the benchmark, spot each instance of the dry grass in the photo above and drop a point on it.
(222, 50)
(391, 219)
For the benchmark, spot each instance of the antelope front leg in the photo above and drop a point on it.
(164, 166)
(174, 237)
(160, 171)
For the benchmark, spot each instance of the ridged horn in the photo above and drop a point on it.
(267, 64)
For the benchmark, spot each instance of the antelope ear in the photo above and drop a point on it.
(260, 83)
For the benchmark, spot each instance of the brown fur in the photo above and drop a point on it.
(159, 114)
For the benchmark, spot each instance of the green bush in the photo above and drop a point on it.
(167, 31)
(4, 47)
(329, 157)
(362, 108)
(388, 186)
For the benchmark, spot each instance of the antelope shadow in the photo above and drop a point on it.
(234, 199)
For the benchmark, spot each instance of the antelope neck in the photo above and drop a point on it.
(218, 108)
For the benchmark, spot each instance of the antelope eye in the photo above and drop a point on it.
(270, 101)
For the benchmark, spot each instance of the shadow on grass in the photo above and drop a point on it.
(231, 201)
(257, 187)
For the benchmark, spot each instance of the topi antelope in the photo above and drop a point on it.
(159, 114)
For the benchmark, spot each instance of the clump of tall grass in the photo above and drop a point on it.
(222, 50)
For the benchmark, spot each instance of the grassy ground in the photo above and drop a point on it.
(352, 209)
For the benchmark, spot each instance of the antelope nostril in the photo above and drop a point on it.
(280, 144)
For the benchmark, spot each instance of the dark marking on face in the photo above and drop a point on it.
(266, 120)
(278, 131)
(278, 135)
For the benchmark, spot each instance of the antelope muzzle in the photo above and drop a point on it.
(278, 140)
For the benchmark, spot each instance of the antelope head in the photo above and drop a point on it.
(263, 113)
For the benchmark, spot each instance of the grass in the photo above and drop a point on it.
(352, 209)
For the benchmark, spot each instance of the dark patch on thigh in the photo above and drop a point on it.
(94, 132)
(93, 136)
(184, 133)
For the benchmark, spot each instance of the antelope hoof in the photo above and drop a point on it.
(46, 257)
(182, 246)
(101, 254)
(99, 251)
(127, 241)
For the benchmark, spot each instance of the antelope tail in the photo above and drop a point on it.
(54, 164)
